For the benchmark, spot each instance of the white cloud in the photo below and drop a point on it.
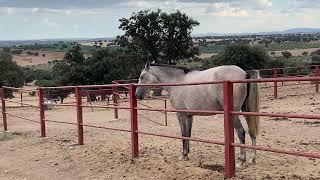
(262, 3)
(224, 9)
(232, 12)
(149, 4)
(68, 12)
(48, 22)
(48, 11)
(76, 27)
(195, 8)
(34, 10)
(25, 20)
(7, 10)
(306, 4)
(10, 10)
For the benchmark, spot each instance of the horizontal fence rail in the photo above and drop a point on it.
(113, 89)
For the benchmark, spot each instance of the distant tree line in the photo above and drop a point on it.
(245, 56)
(261, 39)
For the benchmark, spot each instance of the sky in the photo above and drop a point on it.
(47, 19)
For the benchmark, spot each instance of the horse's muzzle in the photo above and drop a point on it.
(140, 93)
(139, 97)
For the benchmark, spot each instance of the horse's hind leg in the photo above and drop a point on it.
(189, 122)
(253, 140)
(253, 159)
(242, 137)
(186, 126)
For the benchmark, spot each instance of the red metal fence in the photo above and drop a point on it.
(228, 112)
(292, 72)
(116, 102)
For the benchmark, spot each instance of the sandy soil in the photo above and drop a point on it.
(25, 59)
(106, 154)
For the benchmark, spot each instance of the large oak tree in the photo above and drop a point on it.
(159, 36)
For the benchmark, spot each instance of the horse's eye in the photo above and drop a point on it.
(141, 77)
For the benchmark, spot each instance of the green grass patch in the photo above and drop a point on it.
(274, 46)
(291, 45)
(5, 136)
(211, 48)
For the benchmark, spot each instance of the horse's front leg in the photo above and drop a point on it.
(186, 126)
(242, 137)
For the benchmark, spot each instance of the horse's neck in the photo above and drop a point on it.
(171, 78)
(167, 75)
(172, 90)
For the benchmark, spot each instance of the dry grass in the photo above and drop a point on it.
(25, 59)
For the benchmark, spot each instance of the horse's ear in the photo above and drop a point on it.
(146, 67)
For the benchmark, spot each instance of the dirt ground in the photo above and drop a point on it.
(106, 154)
(25, 59)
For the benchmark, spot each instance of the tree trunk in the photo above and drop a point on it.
(103, 97)
(91, 97)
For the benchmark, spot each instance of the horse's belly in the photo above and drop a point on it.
(202, 98)
(203, 114)
(203, 105)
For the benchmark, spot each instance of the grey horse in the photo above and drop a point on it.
(206, 97)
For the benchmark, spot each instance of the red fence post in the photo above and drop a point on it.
(165, 113)
(42, 116)
(317, 74)
(115, 101)
(134, 121)
(228, 129)
(275, 84)
(79, 115)
(4, 115)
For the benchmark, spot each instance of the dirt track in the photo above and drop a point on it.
(106, 154)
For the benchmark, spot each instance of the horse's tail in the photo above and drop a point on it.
(251, 103)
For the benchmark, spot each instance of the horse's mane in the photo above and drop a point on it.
(185, 70)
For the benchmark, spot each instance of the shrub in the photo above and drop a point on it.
(286, 54)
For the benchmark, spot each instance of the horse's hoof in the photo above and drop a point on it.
(252, 161)
(239, 165)
(183, 158)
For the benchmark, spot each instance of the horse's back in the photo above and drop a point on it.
(210, 97)
(217, 74)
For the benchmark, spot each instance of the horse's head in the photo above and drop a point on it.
(146, 77)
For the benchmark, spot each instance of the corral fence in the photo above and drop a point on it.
(290, 72)
(133, 107)
(126, 88)
(276, 72)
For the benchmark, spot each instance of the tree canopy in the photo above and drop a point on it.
(102, 67)
(245, 56)
(286, 54)
(315, 57)
(159, 36)
(10, 73)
